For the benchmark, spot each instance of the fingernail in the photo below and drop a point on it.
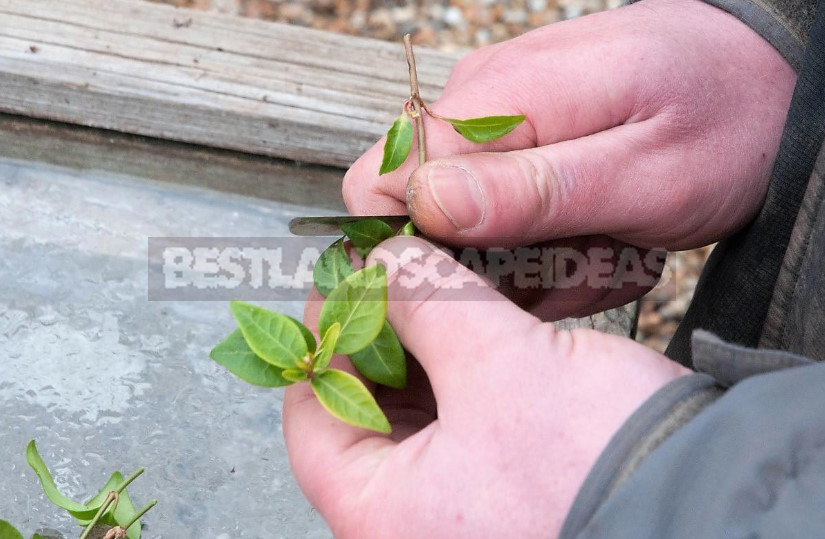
(458, 195)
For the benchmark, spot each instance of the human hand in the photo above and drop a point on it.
(656, 124)
(523, 411)
(649, 126)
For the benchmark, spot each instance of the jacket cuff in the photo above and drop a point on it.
(660, 416)
(724, 365)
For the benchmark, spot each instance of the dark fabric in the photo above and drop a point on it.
(796, 316)
(744, 467)
(785, 24)
(662, 415)
(735, 290)
(730, 364)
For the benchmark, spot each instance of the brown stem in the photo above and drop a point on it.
(431, 113)
(415, 99)
(111, 498)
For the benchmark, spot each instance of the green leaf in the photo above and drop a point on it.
(7, 531)
(359, 304)
(75, 509)
(273, 337)
(344, 396)
(296, 375)
(327, 346)
(333, 266)
(407, 230)
(308, 336)
(487, 128)
(398, 144)
(113, 482)
(35, 536)
(239, 359)
(366, 234)
(383, 361)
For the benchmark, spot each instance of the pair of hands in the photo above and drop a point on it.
(653, 125)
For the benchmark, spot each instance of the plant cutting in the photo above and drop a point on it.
(111, 506)
(274, 350)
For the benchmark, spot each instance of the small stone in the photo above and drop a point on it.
(482, 37)
(499, 32)
(515, 16)
(453, 16)
(404, 14)
(425, 36)
(292, 12)
(382, 24)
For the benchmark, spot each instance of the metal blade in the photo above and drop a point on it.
(331, 226)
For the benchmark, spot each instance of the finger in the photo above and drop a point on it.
(431, 299)
(593, 185)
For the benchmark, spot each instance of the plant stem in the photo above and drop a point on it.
(140, 514)
(106, 503)
(112, 497)
(415, 99)
(128, 480)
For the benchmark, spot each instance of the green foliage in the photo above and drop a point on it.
(367, 233)
(333, 266)
(383, 361)
(239, 359)
(485, 129)
(124, 510)
(120, 514)
(398, 144)
(345, 397)
(328, 343)
(296, 375)
(77, 510)
(309, 338)
(275, 338)
(351, 319)
(407, 230)
(359, 304)
(7, 531)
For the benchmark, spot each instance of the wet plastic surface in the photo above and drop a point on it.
(103, 379)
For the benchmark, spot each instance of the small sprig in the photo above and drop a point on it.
(271, 349)
(111, 505)
(399, 137)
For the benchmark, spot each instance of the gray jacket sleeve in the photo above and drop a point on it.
(751, 464)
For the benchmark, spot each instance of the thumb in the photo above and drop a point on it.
(589, 185)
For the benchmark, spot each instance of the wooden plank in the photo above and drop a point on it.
(25, 139)
(205, 78)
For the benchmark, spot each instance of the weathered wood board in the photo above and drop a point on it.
(205, 78)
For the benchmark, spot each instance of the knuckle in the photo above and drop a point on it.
(547, 187)
(352, 189)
